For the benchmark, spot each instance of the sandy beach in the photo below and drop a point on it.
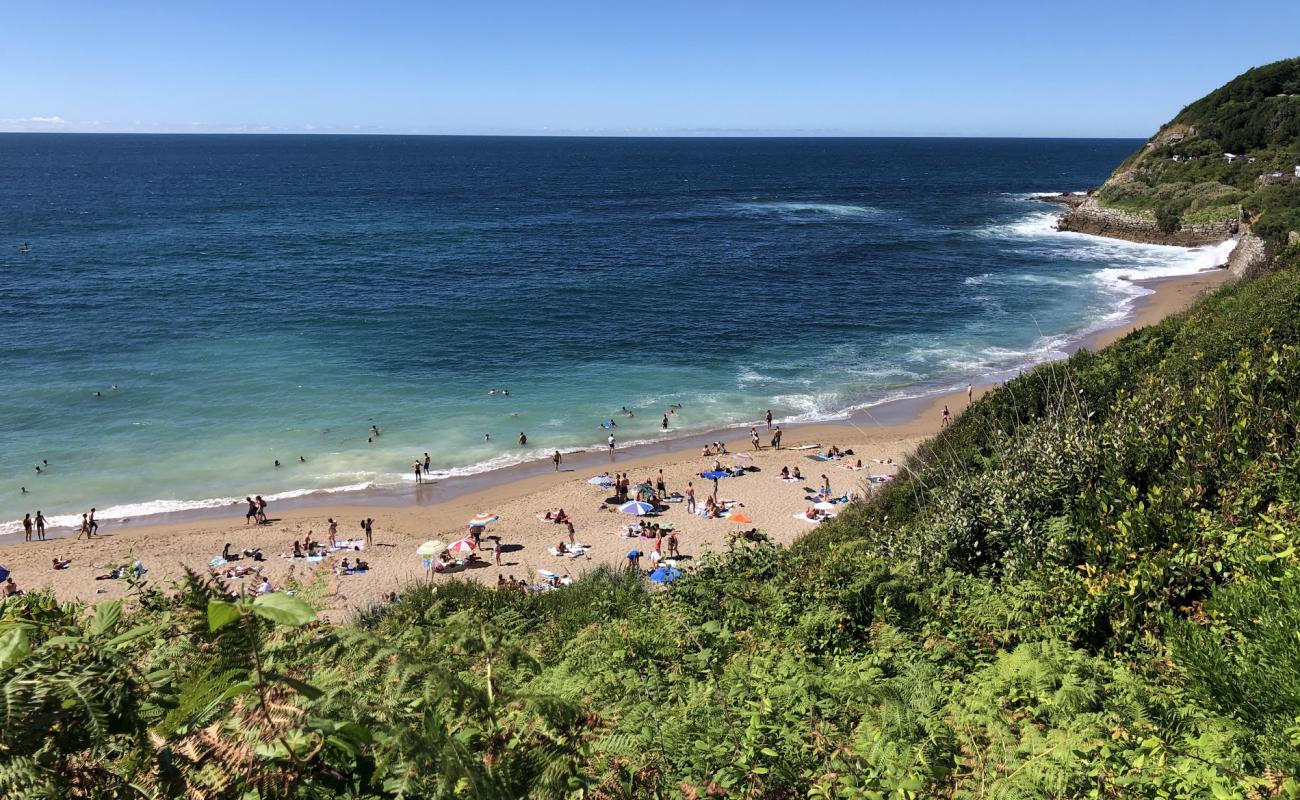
(518, 497)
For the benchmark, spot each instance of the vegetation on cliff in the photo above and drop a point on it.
(1185, 176)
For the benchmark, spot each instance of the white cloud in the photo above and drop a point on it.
(46, 120)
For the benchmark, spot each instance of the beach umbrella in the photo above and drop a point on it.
(742, 456)
(636, 507)
(484, 519)
(665, 575)
(738, 516)
(4, 574)
(601, 480)
(547, 574)
(431, 548)
(824, 506)
(461, 548)
(715, 474)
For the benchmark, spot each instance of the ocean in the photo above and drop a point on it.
(191, 309)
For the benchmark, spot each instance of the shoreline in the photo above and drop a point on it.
(881, 435)
(885, 413)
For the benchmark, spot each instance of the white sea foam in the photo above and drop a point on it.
(809, 211)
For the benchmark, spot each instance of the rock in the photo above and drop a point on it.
(1248, 258)
(1089, 217)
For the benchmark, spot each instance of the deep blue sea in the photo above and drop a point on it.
(256, 298)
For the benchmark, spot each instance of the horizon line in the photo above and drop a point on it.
(701, 134)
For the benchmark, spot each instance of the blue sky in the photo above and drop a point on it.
(618, 67)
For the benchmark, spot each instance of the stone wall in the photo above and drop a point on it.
(1088, 217)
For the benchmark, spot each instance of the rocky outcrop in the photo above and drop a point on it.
(1249, 258)
(1090, 217)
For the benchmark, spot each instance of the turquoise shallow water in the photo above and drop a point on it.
(261, 298)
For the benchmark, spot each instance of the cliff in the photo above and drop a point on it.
(1225, 166)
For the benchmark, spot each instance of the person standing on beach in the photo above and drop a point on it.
(776, 438)
(523, 440)
(261, 510)
(334, 532)
(419, 476)
(40, 526)
(572, 536)
(496, 551)
(610, 441)
(427, 461)
(769, 419)
(556, 459)
(970, 393)
(251, 513)
(690, 497)
(947, 418)
(369, 525)
(27, 527)
(753, 438)
(661, 487)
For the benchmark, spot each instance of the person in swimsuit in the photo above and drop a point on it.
(427, 461)
(27, 527)
(94, 526)
(251, 513)
(690, 497)
(947, 418)
(768, 416)
(663, 424)
(40, 526)
(523, 440)
(333, 532)
(556, 459)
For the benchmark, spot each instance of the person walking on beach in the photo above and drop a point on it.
(556, 459)
(753, 438)
(27, 527)
(94, 526)
(690, 497)
(85, 528)
(40, 526)
(610, 441)
(251, 514)
(768, 416)
(947, 418)
(261, 510)
(523, 440)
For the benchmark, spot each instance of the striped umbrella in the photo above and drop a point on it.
(636, 507)
(484, 519)
(461, 548)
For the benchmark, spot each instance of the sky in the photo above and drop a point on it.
(621, 67)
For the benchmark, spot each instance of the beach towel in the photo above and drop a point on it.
(217, 562)
(817, 457)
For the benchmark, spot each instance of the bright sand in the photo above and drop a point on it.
(165, 549)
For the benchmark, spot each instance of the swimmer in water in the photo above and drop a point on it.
(487, 437)
(98, 394)
(302, 460)
(277, 463)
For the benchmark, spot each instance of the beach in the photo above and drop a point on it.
(519, 495)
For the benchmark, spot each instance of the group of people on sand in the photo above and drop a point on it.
(256, 512)
(36, 523)
(714, 449)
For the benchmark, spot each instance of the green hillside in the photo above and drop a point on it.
(1183, 175)
(1088, 586)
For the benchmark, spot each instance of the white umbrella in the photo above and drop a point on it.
(430, 548)
(636, 507)
(601, 480)
(824, 506)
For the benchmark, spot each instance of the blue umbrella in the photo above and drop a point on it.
(715, 474)
(665, 575)
(4, 574)
(636, 507)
